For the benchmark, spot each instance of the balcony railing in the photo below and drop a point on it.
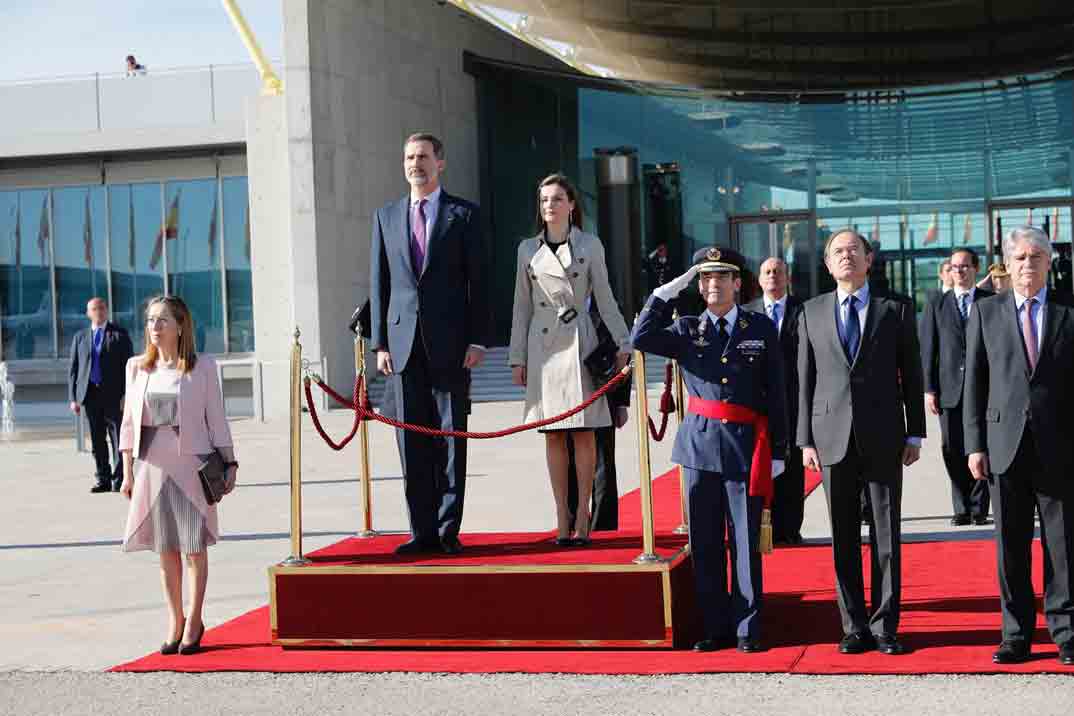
(190, 96)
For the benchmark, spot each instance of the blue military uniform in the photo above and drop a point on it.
(716, 454)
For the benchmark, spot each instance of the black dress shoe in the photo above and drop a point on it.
(101, 487)
(451, 545)
(981, 520)
(581, 542)
(1066, 653)
(117, 485)
(889, 644)
(1012, 652)
(564, 542)
(714, 644)
(416, 547)
(857, 643)
(960, 520)
(749, 645)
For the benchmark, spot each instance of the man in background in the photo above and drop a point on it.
(96, 384)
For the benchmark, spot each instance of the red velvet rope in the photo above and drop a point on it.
(667, 406)
(362, 411)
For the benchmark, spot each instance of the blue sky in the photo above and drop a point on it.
(50, 38)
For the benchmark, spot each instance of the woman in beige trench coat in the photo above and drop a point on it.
(551, 334)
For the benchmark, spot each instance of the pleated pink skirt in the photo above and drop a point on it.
(168, 511)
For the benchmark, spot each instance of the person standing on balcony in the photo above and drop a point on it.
(96, 383)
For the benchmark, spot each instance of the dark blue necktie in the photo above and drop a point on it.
(721, 334)
(963, 306)
(95, 375)
(852, 332)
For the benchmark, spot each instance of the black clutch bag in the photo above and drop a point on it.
(213, 474)
(601, 362)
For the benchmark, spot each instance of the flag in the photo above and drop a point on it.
(1055, 225)
(933, 232)
(967, 230)
(87, 235)
(18, 237)
(876, 230)
(788, 243)
(247, 237)
(211, 239)
(130, 239)
(43, 233)
(170, 230)
(1029, 217)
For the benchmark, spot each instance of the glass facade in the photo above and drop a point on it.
(918, 172)
(126, 243)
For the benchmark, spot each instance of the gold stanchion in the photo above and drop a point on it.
(680, 413)
(365, 477)
(641, 403)
(296, 559)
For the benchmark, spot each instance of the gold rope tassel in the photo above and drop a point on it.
(764, 541)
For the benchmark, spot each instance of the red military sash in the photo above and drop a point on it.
(761, 468)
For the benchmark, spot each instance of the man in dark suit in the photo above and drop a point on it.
(731, 441)
(788, 504)
(430, 323)
(943, 361)
(96, 383)
(1019, 354)
(861, 419)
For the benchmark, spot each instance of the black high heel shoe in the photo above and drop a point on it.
(172, 647)
(193, 647)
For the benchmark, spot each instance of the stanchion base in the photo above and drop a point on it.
(682, 530)
(648, 558)
(367, 534)
(294, 561)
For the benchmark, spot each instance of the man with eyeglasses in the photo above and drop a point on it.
(943, 356)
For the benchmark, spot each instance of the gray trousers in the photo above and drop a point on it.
(843, 483)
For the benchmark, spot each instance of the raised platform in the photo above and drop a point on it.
(505, 590)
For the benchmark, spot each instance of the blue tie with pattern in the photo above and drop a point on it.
(852, 332)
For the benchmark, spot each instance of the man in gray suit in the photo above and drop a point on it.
(1019, 354)
(861, 418)
(429, 319)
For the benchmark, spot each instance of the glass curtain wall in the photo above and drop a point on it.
(125, 243)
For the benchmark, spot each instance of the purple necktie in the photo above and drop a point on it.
(417, 237)
(1029, 333)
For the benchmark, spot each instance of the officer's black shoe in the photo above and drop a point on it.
(1066, 653)
(857, 643)
(960, 520)
(101, 487)
(1012, 651)
(889, 644)
(749, 645)
(416, 547)
(451, 545)
(981, 520)
(714, 644)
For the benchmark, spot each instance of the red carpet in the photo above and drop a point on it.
(950, 622)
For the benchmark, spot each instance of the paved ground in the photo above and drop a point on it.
(72, 604)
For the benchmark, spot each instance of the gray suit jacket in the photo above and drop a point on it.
(943, 346)
(1001, 396)
(880, 397)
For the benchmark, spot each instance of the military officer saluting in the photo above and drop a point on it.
(735, 421)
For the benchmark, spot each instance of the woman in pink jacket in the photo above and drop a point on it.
(173, 416)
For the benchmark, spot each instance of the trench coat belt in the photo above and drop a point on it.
(761, 467)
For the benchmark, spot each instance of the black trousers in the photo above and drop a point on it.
(881, 478)
(968, 496)
(104, 415)
(605, 503)
(1017, 495)
(434, 468)
(788, 501)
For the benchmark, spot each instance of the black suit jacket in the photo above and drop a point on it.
(116, 349)
(788, 343)
(880, 396)
(448, 298)
(943, 346)
(1001, 395)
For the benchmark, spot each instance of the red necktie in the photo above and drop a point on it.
(1029, 333)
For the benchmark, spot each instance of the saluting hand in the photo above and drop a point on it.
(675, 286)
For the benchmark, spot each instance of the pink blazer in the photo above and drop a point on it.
(202, 424)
